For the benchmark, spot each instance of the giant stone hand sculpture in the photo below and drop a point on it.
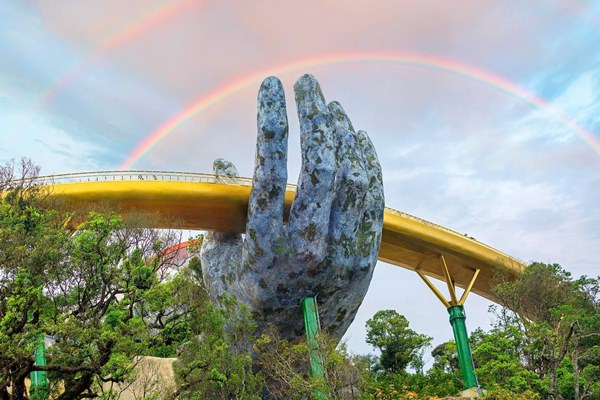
(329, 246)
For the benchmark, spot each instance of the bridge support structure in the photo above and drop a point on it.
(312, 327)
(38, 389)
(457, 315)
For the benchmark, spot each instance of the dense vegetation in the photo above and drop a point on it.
(95, 291)
(545, 344)
(109, 293)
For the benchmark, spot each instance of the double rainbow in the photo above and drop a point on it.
(444, 65)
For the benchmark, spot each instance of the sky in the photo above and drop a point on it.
(485, 114)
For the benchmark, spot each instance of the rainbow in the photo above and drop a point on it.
(145, 23)
(435, 63)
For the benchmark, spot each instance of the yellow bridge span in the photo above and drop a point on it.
(208, 202)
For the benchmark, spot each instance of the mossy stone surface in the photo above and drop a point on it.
(329, 246)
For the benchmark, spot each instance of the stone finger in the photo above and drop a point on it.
(225, 171)
(309, 215)
(264, 229)
(221, 257)
(351, 183)
(366, 244)
(372, 220)
(220, 252)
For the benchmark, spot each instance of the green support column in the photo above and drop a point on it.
(457, 320)
(38, 389)
(312, 327)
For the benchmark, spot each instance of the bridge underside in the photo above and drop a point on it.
(408, 242)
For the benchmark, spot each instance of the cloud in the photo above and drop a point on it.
(24, 135)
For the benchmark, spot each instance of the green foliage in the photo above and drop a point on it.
(286, 369)
(498, 358)
(399, 345)
(102, 295)
(549, 325)
(501, 393)
(86, 290)
(438, 382)
(172, 309)
(403, 385)
(545, 345)
(537, 293)
(392, 385)
(217, 362)
(445, 357)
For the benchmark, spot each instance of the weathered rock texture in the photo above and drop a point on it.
(329, 246)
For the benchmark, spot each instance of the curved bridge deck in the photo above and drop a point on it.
(208, 202)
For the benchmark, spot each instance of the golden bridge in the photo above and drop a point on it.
(197, 201)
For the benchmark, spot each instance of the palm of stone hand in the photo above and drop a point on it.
(329, 246)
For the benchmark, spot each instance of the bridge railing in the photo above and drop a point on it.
(141, 175)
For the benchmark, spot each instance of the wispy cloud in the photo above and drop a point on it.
(24, 135)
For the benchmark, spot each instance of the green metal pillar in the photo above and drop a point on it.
(457, 320)
(38, 389)
(312, 327)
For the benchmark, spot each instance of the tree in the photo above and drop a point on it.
(399, 345)
(556, 321)
(286, 368)
(585, 350)
(498, 356)
(445, 357)
(85, 290)
(173, 308)
(216, 363)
